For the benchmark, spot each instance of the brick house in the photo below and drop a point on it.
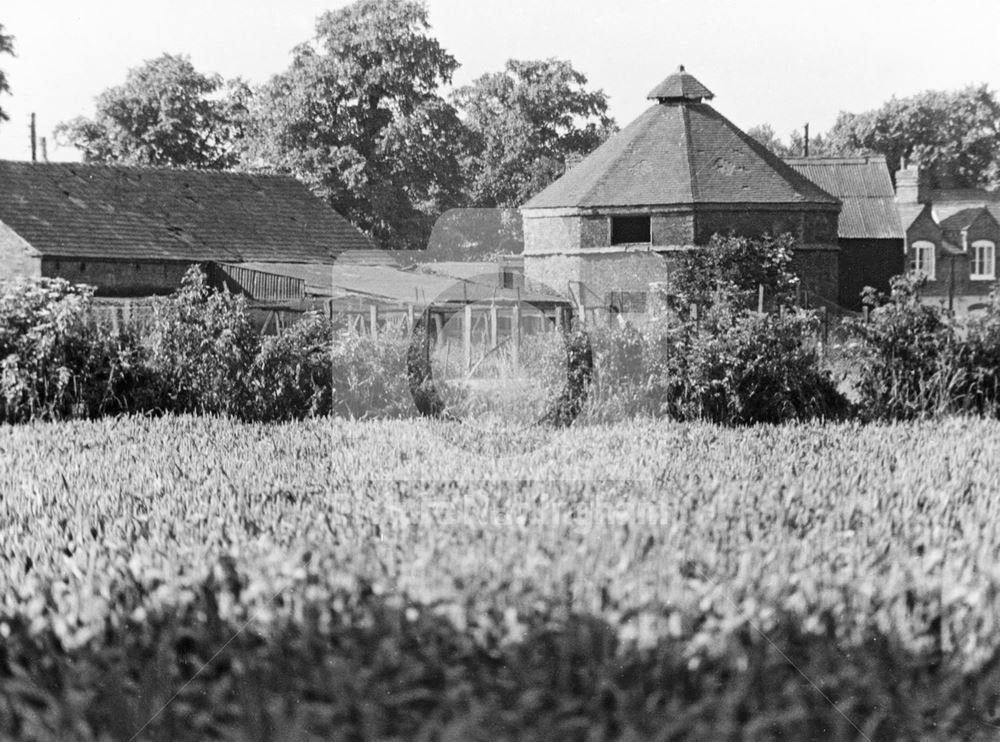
(869, 230)
(952, 237)
(133, 232)
(675, 176)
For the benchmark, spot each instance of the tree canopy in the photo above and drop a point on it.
(360, 117)
(6, 47)
(525, 121)
(819, 145)
(954, 136)
(166, 113)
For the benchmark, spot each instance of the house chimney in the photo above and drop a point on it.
(910, 186)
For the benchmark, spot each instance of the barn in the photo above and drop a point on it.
(133, 232)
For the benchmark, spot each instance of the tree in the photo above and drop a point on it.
(953, 136)
(165, 114)
(526, 121)
(818, 144)
(6, 47)
(360, 118)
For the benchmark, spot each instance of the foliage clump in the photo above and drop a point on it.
(915, 359)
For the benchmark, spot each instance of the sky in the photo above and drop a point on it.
(775, 61)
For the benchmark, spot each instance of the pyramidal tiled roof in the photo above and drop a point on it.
(131, 213)
(680, 86)
(680, 151)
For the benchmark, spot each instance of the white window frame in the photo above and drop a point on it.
(922, 250)
(983, 268)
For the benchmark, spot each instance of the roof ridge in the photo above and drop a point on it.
(692, 175)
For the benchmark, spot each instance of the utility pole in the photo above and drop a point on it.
(34, 153)
(806, 141)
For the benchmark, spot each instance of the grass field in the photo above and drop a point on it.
(819, 581)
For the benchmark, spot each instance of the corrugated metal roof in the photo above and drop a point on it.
(102, 211)
(864, 187)
(395, 286)
(680, 154)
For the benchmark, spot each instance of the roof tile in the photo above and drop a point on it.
(102, 211)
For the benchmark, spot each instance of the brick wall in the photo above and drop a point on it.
(118, 278)
(551, 233)
(594, 230)
(672, 230)
(806, 226)
(609, 270)
(599, 273)
(16, 259)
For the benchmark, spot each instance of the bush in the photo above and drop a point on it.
(370, 377)
(733, 368)
(291, 377)
(53, 364)
(916, 360)
(735, 267)
(201, 348)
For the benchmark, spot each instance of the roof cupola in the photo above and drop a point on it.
(680, 87)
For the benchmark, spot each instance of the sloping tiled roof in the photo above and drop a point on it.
(963, 219)
(864, 187)
(680, 153)
(951, 201)
(101, 211)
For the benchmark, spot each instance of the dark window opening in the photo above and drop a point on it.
(626, 230)
(508, 279)
(83, 267)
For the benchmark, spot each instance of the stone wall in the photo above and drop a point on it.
(116, 277)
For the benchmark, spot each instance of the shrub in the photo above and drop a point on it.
(916, 360)
(292, 375)
(53, 364)
(734, 267)
(201, 348)
(733, 368)
(370, 376)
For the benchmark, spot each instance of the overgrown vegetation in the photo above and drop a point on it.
(729, 364)
(916, 360)
(201, 354)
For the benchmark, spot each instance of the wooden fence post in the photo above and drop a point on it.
(515, 336)
(467, 339)
(493, 326)
(438, 330)
(373, 318)
(760, 298)
(409, 318)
